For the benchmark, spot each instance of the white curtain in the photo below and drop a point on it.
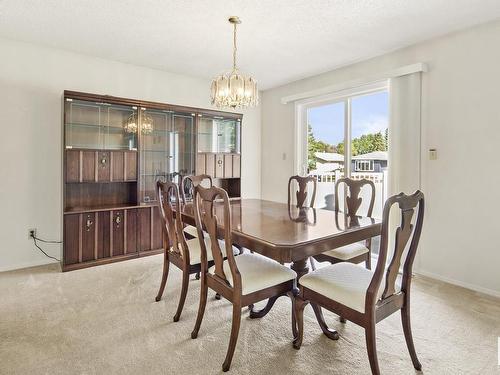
(405, 133)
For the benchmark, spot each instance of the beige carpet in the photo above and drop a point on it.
(104, 320)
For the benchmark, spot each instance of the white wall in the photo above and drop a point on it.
(32, 79)
(461, 118)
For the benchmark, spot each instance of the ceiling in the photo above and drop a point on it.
(279, 41)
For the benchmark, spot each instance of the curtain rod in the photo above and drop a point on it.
(398, 72)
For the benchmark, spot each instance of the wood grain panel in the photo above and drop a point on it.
(200, 163)
(210, 164)
(103, 234)
(157, 229)
(228, 166)
(72, 166)
(144, 228)
(117, 166)
(88, 166)
(103, 166)
(131, 231)
(118, 232)
(71, 238)
(130, 165)
(88, 237)
(236, 166)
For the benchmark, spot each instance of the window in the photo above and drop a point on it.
(364, 166)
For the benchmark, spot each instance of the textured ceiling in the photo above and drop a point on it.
(279, 41)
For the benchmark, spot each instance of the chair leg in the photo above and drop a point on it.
(405, 319)
(182, 299)
(300, 304)
(166, 266)
(368, 261)
(201, 308)
(313, 263)
(197, 276)
(371, 347)
(235, 330)
(294, 315)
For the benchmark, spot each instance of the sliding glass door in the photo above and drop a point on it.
(348, 137)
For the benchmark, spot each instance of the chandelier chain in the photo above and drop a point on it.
(234, 47)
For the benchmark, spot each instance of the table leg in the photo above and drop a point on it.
(330, 333)
(300, 267)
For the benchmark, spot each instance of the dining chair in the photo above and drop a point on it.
(184, 254)
(242, 280)
(187, 185)
(356, 252)
(301, 193)
(355, 292)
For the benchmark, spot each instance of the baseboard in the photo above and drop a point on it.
(30, 264)
(462, 284)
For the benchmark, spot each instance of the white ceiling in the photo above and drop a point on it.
(279, 41)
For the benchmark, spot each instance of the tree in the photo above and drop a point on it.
(314, 146)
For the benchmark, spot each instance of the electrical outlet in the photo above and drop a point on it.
(31, 233)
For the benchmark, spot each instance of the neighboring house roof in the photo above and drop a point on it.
(326, 167)
(329, 156)
(376, 155)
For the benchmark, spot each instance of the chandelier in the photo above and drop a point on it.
(233, 89)
(131, 124)
(146, 123)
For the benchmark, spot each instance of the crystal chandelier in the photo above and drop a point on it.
(131, 124)
(234, 89)
(146, 123)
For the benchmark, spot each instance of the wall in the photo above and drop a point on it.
(461, 118)
(32, 79)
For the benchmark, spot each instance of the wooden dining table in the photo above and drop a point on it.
(289, 234)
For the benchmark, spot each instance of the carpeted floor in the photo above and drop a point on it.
(104, 320)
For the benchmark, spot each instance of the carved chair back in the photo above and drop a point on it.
(188, 183)
(211, 211)
(169, 202)
(352, 200)
(301, 193)
(406, 233)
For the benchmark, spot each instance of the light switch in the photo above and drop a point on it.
(433, 154)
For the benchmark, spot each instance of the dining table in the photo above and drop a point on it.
(289, 234)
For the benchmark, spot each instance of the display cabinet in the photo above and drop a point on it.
(114, 152)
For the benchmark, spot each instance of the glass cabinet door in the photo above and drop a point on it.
(167, 148)
(93, 125)
(218, 134)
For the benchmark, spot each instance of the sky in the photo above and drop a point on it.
(369, 115)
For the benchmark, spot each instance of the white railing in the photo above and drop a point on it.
(326, 183)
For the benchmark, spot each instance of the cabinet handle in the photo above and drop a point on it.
(219, 161)
(103, 161)
(118, 220)
(88, 224)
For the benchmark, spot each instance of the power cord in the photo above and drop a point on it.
(45, 241)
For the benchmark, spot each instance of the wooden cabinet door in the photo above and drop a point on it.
(71, 239)
(210, 164)
(88, 166)
(72, 166)
(103, 166)
(131, 231)
(144, 228)
(236, 165)
(228, 166)
(156, 227)
(219, 166)
(103, 234)
(89, 237)
(200, 163)
(118, 232)
(117, 166)
(130, 165)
